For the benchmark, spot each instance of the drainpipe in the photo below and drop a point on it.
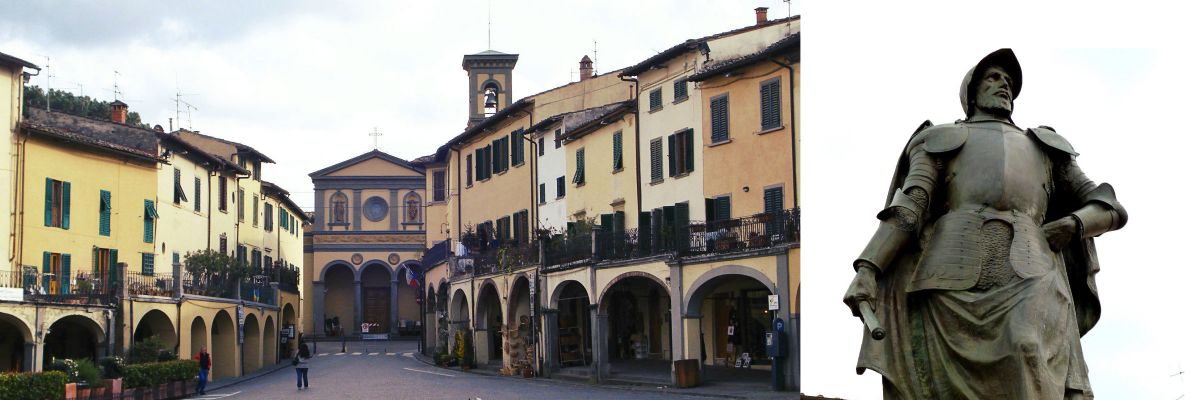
(637, 139)
(792, 103)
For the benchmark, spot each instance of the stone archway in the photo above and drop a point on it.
(339, 299)
(16, 344)
(156, 323)
(73, 336)
(725, 311)
(224, 346)
(518, 336)
(459, 319)
(488, 324)
(570, 342)
(375, 302)
(289, 319)
(199, 336)
(633, 326)
(252, 345)
(270, 342)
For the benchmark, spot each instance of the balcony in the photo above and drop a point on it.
(506, 258)
(757, 231)
(79, 288)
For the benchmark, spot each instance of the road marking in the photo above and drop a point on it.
(429, 372)
(357, 353)
(217, 396)
(391, 354)
(373, 354)
(409, 355)
(339, 354)
(323, 354)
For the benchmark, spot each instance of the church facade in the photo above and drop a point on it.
(368, 232)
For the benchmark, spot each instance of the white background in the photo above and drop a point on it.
(1118, 80)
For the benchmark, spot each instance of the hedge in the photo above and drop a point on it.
(33, 386)
(153, 374)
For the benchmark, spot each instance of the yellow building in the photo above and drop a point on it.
(368, 231)
(595, 141)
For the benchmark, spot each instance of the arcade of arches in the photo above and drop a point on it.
(375, 296)
(615, 321)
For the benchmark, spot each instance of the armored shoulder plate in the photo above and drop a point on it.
(944, 138)
(1051, 139)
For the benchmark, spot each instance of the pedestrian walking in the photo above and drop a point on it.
(205, 361)
(300, 361)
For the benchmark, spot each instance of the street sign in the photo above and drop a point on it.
(773, 302)
(779, 325)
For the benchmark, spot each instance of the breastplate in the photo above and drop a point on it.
(1000, 167)
(1002, 176)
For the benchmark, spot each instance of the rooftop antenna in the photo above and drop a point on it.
(595, 56)
(47, 83)
(375, 134)
(116, 89)
(1181, 385)
(489, 24)
(187, 107)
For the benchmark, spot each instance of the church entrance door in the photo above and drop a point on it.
(375, 308)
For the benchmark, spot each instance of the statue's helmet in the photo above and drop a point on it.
(1004, 58)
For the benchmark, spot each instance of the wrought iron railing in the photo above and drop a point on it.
(258, 289)
(79, 288)
(491, 261)
(211, 285)
(151, 285)
(565, 249)
(742, 234)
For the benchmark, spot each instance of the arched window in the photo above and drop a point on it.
(412, 208)
(338, 201)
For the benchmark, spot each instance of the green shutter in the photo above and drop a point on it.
(46, 272)
(105, 213)
(148, 222)
(723, 208)
(656, 99)
(518, 153)
(672, 153)
(470, 170)
(112, 266)
(656, 160)
(147, 263)
(719, 108)
(689, 165)
(49, 202)
(196, 202)
(66, 205)
(578, 179)
(617, 162)
(770, 102)
(64, 285)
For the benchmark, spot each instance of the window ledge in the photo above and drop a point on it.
(680, 100)
(437, 202)
(580, 184)
(715, 144)
(769, 130)
(498, 173)
(654, 110)
(618, 170)
(682, 175)
(656, 181)
(521, 164)
(560, 197)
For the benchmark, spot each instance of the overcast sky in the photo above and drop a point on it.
(305, 81)
(873, 74)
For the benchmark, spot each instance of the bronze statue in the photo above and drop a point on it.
(981, 275)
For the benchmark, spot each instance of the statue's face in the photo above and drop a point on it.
(993, 92)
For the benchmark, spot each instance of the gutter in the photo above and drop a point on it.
(637, 139)
(792, 144)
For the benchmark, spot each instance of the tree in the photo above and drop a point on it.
(84, 106)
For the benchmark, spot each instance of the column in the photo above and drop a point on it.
(394, 308)
(397, 209)
(599, 343)
(318, 322)
(319, 212)
(28, 362)
(692, 342)
(429, 328)
(356, 209)
(358, 309)
(550, 333)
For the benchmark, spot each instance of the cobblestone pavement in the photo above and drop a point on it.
(371, 371)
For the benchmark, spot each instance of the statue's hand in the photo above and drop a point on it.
(862, 288)
(1060, 231)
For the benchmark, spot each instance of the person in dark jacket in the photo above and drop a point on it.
(205, 361)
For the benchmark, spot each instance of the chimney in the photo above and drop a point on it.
(585, 69)
(119, 110)
(761, 14)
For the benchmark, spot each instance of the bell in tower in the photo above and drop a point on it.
(489, 80)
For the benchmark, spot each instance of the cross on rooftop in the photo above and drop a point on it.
(375, 134)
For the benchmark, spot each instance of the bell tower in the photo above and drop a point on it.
(489, 83)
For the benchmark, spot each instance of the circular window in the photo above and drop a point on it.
(375, 208)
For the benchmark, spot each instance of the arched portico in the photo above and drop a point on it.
(16, 344)
(633, 325)
(73, 336)
(488, 324)
(727, 307)
(224, 346)
(569, 343)
(251, 345)
(156, 323)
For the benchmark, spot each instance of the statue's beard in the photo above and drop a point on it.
(994, 105)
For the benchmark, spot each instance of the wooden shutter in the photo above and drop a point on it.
(645, 228)
(672, 155)
(656, 98)
(617, 162)
(469, 170)
(682, 236)
(196, 200)
(542, 193)
(66, 205)
(689, 151)
(148, 222)
(680, 90)
(656, 172)
(46, 270)
(562, 187)
(719, 108)
(656, 229)
(723, 208)
(518, 148)
(710, 210)
(105, 213)
(147, 263)
(773, 205)
(769, 103)
(64, 283)
(49, 202)
(578, 179)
